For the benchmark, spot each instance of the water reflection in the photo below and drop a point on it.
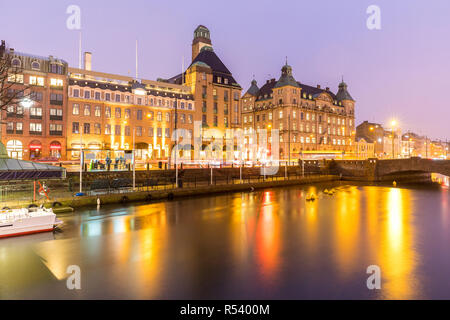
(397, 252)
(265, 244)
(268, 238)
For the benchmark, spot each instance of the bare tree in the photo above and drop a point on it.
(12, 91)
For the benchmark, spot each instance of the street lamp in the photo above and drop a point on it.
(26, 103)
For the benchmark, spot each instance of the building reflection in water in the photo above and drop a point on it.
(346, 218)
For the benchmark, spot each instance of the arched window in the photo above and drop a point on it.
(36, 65)
(16, 62)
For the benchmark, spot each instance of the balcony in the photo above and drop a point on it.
(225, 99)
(204, 95)
(36, 133)
(204, 110)
(225, 112)
(9, 131)
(57, 87)
(216, 97)
(34, 117)
(56, 133)
(59, 118)
(19, 131)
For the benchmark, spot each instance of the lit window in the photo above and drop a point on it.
(87, 110)
(56, 82)
(75, 109)
(18, 78)
(36, 81)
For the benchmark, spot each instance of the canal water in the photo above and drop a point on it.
(268, 244)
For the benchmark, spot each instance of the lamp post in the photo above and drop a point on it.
(176, 142)
(393, 123)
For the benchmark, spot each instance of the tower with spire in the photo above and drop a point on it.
(344, 97)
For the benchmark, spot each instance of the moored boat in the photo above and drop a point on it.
(17, 222)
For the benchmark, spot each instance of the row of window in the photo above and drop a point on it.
(35, 65)
(35, 80)
(295, 139)
(34, 127)
(34, 111)
(334, 131)
(215, 121)
(216, 96)
(117, 130)
(216, 108)
(97, 112)
(303, 116)
(116, 97)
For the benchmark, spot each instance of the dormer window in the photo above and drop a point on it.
(36, 65)
(16, 63)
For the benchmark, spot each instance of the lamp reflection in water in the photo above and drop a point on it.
(268, 238)
(397, 254)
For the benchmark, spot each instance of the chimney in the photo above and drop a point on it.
(318, 86)
(88, 61)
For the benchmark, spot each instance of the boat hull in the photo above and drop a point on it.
(28, 223)
(24, 233)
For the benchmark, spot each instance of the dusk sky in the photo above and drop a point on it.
(401, 71)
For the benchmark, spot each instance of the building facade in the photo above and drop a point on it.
(364, 149)
(372, 133)
(110, 114)
(392, 144)
(36, 132)
(312, 122)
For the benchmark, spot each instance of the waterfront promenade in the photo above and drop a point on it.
(118, 187)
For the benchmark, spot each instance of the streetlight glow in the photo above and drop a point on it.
(26, 103)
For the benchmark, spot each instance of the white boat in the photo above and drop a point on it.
(17, 222)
